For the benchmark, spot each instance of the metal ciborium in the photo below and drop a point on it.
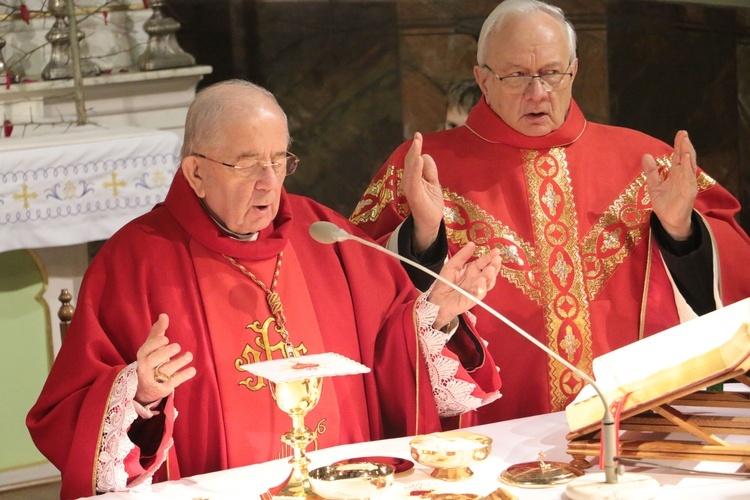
(297, 398)
(451, 453)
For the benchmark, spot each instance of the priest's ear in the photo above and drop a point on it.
(191, 169)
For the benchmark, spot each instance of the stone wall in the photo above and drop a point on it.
(357, 77)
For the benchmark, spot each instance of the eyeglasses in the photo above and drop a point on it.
(254, 168)
(519, 84)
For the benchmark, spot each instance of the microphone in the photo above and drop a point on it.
(328, 232)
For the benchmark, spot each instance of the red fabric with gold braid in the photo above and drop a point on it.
(333, 302)
(570, 212)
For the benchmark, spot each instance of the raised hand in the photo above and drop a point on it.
(158, 372)
(422, 190)
(673, 193)
(477, 278)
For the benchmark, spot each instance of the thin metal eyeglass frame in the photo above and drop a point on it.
(548, 87)
(289, 156)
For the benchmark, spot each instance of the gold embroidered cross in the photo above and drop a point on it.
(611, 239)
(561, 269)
(114, 184)
(551, 199)
(570, 343)
(25, 195)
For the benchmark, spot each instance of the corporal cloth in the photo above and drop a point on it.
(570, 214)
(175, 263)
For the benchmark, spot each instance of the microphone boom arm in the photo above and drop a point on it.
(608, 423)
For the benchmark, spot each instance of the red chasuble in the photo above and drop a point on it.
(570, 213)
(341, 298)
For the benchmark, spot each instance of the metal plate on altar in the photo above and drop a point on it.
(539, 474)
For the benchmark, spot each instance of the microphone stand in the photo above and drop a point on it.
(327, 232)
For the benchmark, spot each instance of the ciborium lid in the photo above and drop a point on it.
(539, 474)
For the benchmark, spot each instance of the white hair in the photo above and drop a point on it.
(511, 8)
(219, 103)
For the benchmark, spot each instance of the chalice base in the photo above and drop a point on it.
(292, 487)
(451, 473)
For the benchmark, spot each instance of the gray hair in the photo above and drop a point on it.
(510, 8)
(217, 104)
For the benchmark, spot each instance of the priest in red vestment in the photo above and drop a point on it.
(148, 386)
(607, 234)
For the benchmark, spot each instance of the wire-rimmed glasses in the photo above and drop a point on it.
(519, 84)
(254, 168)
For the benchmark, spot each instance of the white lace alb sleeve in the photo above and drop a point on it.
(453, 396)
(115, 445)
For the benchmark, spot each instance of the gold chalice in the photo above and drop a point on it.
(296, 384)
(296, 398)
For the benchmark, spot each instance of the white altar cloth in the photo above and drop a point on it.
(514, 441)
(81, 184)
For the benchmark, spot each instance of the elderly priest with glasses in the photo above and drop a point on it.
(148, 386)
(607, 234)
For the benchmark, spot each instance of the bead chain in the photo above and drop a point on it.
(273, 299)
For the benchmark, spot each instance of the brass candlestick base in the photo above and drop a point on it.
(296, 398)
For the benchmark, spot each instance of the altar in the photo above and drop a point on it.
(59, 189)
(513, 441)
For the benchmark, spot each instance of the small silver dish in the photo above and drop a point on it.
(351, 481)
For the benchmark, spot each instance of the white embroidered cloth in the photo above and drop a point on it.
(328, 364)
(80, 184)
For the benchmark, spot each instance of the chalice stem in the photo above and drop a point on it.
(297, 398)
(298, 438)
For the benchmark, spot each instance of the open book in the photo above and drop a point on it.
(677, 361)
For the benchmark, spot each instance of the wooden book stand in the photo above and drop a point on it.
(652, 423)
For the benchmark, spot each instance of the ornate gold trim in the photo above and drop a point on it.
(565, 302)
(519, 258)
(382, 190)
(705, 181)
(617, 232)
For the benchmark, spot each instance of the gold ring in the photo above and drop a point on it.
(159, 376)
(664, 173)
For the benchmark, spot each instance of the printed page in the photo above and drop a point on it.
(670, 347)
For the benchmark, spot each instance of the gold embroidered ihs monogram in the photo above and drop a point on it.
(262, 339)
(263, 350)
